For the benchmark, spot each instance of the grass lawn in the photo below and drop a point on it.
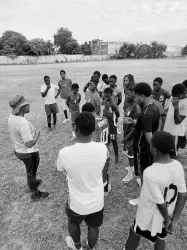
(25, 225)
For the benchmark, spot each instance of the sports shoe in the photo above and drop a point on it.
(72, 138)
(119, 133)
(134, 202)
(70, 243)
(109, 190)
(66, 120)
(39, 195)
(138, 180)
(128, 178)
(127, 168)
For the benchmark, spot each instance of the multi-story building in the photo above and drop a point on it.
(173, 51)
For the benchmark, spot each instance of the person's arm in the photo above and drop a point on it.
(148, 136)
(67, 101)
(130, 135)
(164, 212)
(177, 117)
(181, 200)
(79, 98)
(43, 94)
(58, 92)
(31, 143)
(146, 121)
(60, 165)
(27, 137)
(119, 96)
(85, 87)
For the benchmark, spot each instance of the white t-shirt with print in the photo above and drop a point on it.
(170, 126)
(84, 163)
(50, 97)
(161, 182)
(21, 131)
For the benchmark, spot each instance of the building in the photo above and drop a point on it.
(173, 51)
(114, 47)
(99, 47)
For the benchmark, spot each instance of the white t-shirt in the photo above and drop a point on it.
(21, 131)
(50, 97)
(101, 86)
(84, 163)
(170, 126)
(161, 182)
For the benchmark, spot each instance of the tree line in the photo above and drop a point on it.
(16, 44)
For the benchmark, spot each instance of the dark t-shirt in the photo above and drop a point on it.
(148, 121)
(161, 96)
(110, 112)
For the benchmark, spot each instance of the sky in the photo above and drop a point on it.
(108, 20)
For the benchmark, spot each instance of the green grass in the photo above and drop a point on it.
(25, 225)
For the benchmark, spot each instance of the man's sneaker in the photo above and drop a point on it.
(138, 180)
(134, 202)
(128, 178)
(66, 120)
(70, 243)
(109, 190)
(39, 195)
(119, 133)
(73, 138)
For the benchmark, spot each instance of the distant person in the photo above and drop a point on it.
(25, 138)
(100, 134)
(176, 119)
(147, 124)
(50, 92)
(159, 94)
(73, 103)
(93, 96)
(162, 198)
(65, 87)
(95, 77)
(84, 162)
(111, 112)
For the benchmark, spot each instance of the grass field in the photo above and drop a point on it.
(25, 225)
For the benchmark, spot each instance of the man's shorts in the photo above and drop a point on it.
(92, 220)
(112, 133)
(51, 109)
(147, 234)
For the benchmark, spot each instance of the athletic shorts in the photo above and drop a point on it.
(51, 109)
(92, 220)
(147, 234)
(112, 133)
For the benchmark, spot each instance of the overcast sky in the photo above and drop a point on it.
(109, 20)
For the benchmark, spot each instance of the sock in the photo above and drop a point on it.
(66, 114)
(49, 125)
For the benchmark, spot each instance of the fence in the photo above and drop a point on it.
(51, 59)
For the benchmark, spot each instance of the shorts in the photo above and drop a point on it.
(73, 115)
(112, 133)
(147, 234)
(130, 149)
(64, 105)
(51, 109)
(92, 220)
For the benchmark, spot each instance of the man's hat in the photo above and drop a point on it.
(16, 103)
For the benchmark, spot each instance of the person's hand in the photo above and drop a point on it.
(175, 102)
(124, 141)
(128, 120)
(171, 227)
(48, 87)
(167, 225)
(116, 120)
(37, 134)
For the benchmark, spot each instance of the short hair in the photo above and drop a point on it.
(94, 79)
(75, 86)
(178, 89)
(143, 88)
(108, 90)
(63, 71)
(114, 77)
(97, 73)
(46, 77)
(105, 76)
(88, 107)
(163, 142)
(159, 80)
(85, 123)
(184, 83)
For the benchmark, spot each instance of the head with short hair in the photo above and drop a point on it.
(162, 142)
(95, 79)
(47, 80)
(85, 124)
(105, 78)
(97, 73)
(142, 91)
(75, 88)
(108, 93)
(178, 90)
(63, 74)
(92, 85)
(112, 81)
(88, 107)
(184, 83)
(128, 81)
(157, 84)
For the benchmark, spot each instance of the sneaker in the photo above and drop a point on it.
(39, 195)
(66, 120)
(138, 180)
(128, 177)
(109, 190)
(134, 202)
(119, 133)
(127, 168)
(73, 138)
(70, 243)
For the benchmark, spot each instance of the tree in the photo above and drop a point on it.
(127, 50)
(184, 51)
(158, 49)
(13, 43)
(143, 51)
(86, 48)
(72, 47)
(39, 47)
(61, 38)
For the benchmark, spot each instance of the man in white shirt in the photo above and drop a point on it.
(25, 138)
(50, 92)
(84, 162)
(162, 198)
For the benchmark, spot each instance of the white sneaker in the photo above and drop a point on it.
(70, 243)
(119, 133)
(66, 120)
(138, 180)
(128, 178)
(109, 190)
(134, 202)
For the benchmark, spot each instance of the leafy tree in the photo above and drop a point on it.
(61, 38)
(86, 49)
(143, 51)
(72, 47)
(127, 50)
(39, 47)
(13, 43)
(158, 49)
(184, 51)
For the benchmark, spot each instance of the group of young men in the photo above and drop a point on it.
(147, 143)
